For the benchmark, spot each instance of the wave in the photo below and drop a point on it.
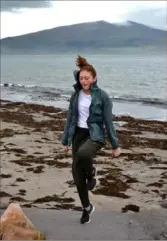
(16, 85)
(147, 101)
(51, 93)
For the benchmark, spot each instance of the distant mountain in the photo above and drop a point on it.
(90, 36)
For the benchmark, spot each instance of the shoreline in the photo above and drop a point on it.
(37, 173)
(134, 109)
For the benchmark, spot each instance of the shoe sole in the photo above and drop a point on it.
(87, 222)
(90, 189)
(93, 209)
(95, 172)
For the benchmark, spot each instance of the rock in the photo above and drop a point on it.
(14, 225)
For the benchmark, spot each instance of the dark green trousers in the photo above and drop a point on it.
(83, 152)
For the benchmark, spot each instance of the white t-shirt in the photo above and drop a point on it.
(84, 102)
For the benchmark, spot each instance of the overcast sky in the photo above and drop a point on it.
(21, 17)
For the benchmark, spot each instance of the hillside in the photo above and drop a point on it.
(92, 36)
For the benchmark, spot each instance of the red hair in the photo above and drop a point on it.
(84, 65)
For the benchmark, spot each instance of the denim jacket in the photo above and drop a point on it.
(100, 116)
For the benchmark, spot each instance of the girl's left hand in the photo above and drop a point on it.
(116, 152)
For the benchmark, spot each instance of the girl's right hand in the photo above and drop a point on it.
(66, 148)
(116, 152)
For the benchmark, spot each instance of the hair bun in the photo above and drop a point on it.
(81, 62)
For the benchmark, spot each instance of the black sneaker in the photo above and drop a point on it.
(86, 215)
(91, 180)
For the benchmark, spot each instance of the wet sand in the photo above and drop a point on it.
(36, 172)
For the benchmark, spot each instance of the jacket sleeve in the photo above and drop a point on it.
(107, 115)
(67, 125)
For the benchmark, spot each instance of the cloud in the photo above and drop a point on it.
(50, 14)
(153, 17)
(14, 6)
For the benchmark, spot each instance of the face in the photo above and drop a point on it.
(86, 79)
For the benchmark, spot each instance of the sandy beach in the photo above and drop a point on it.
(36, 172)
